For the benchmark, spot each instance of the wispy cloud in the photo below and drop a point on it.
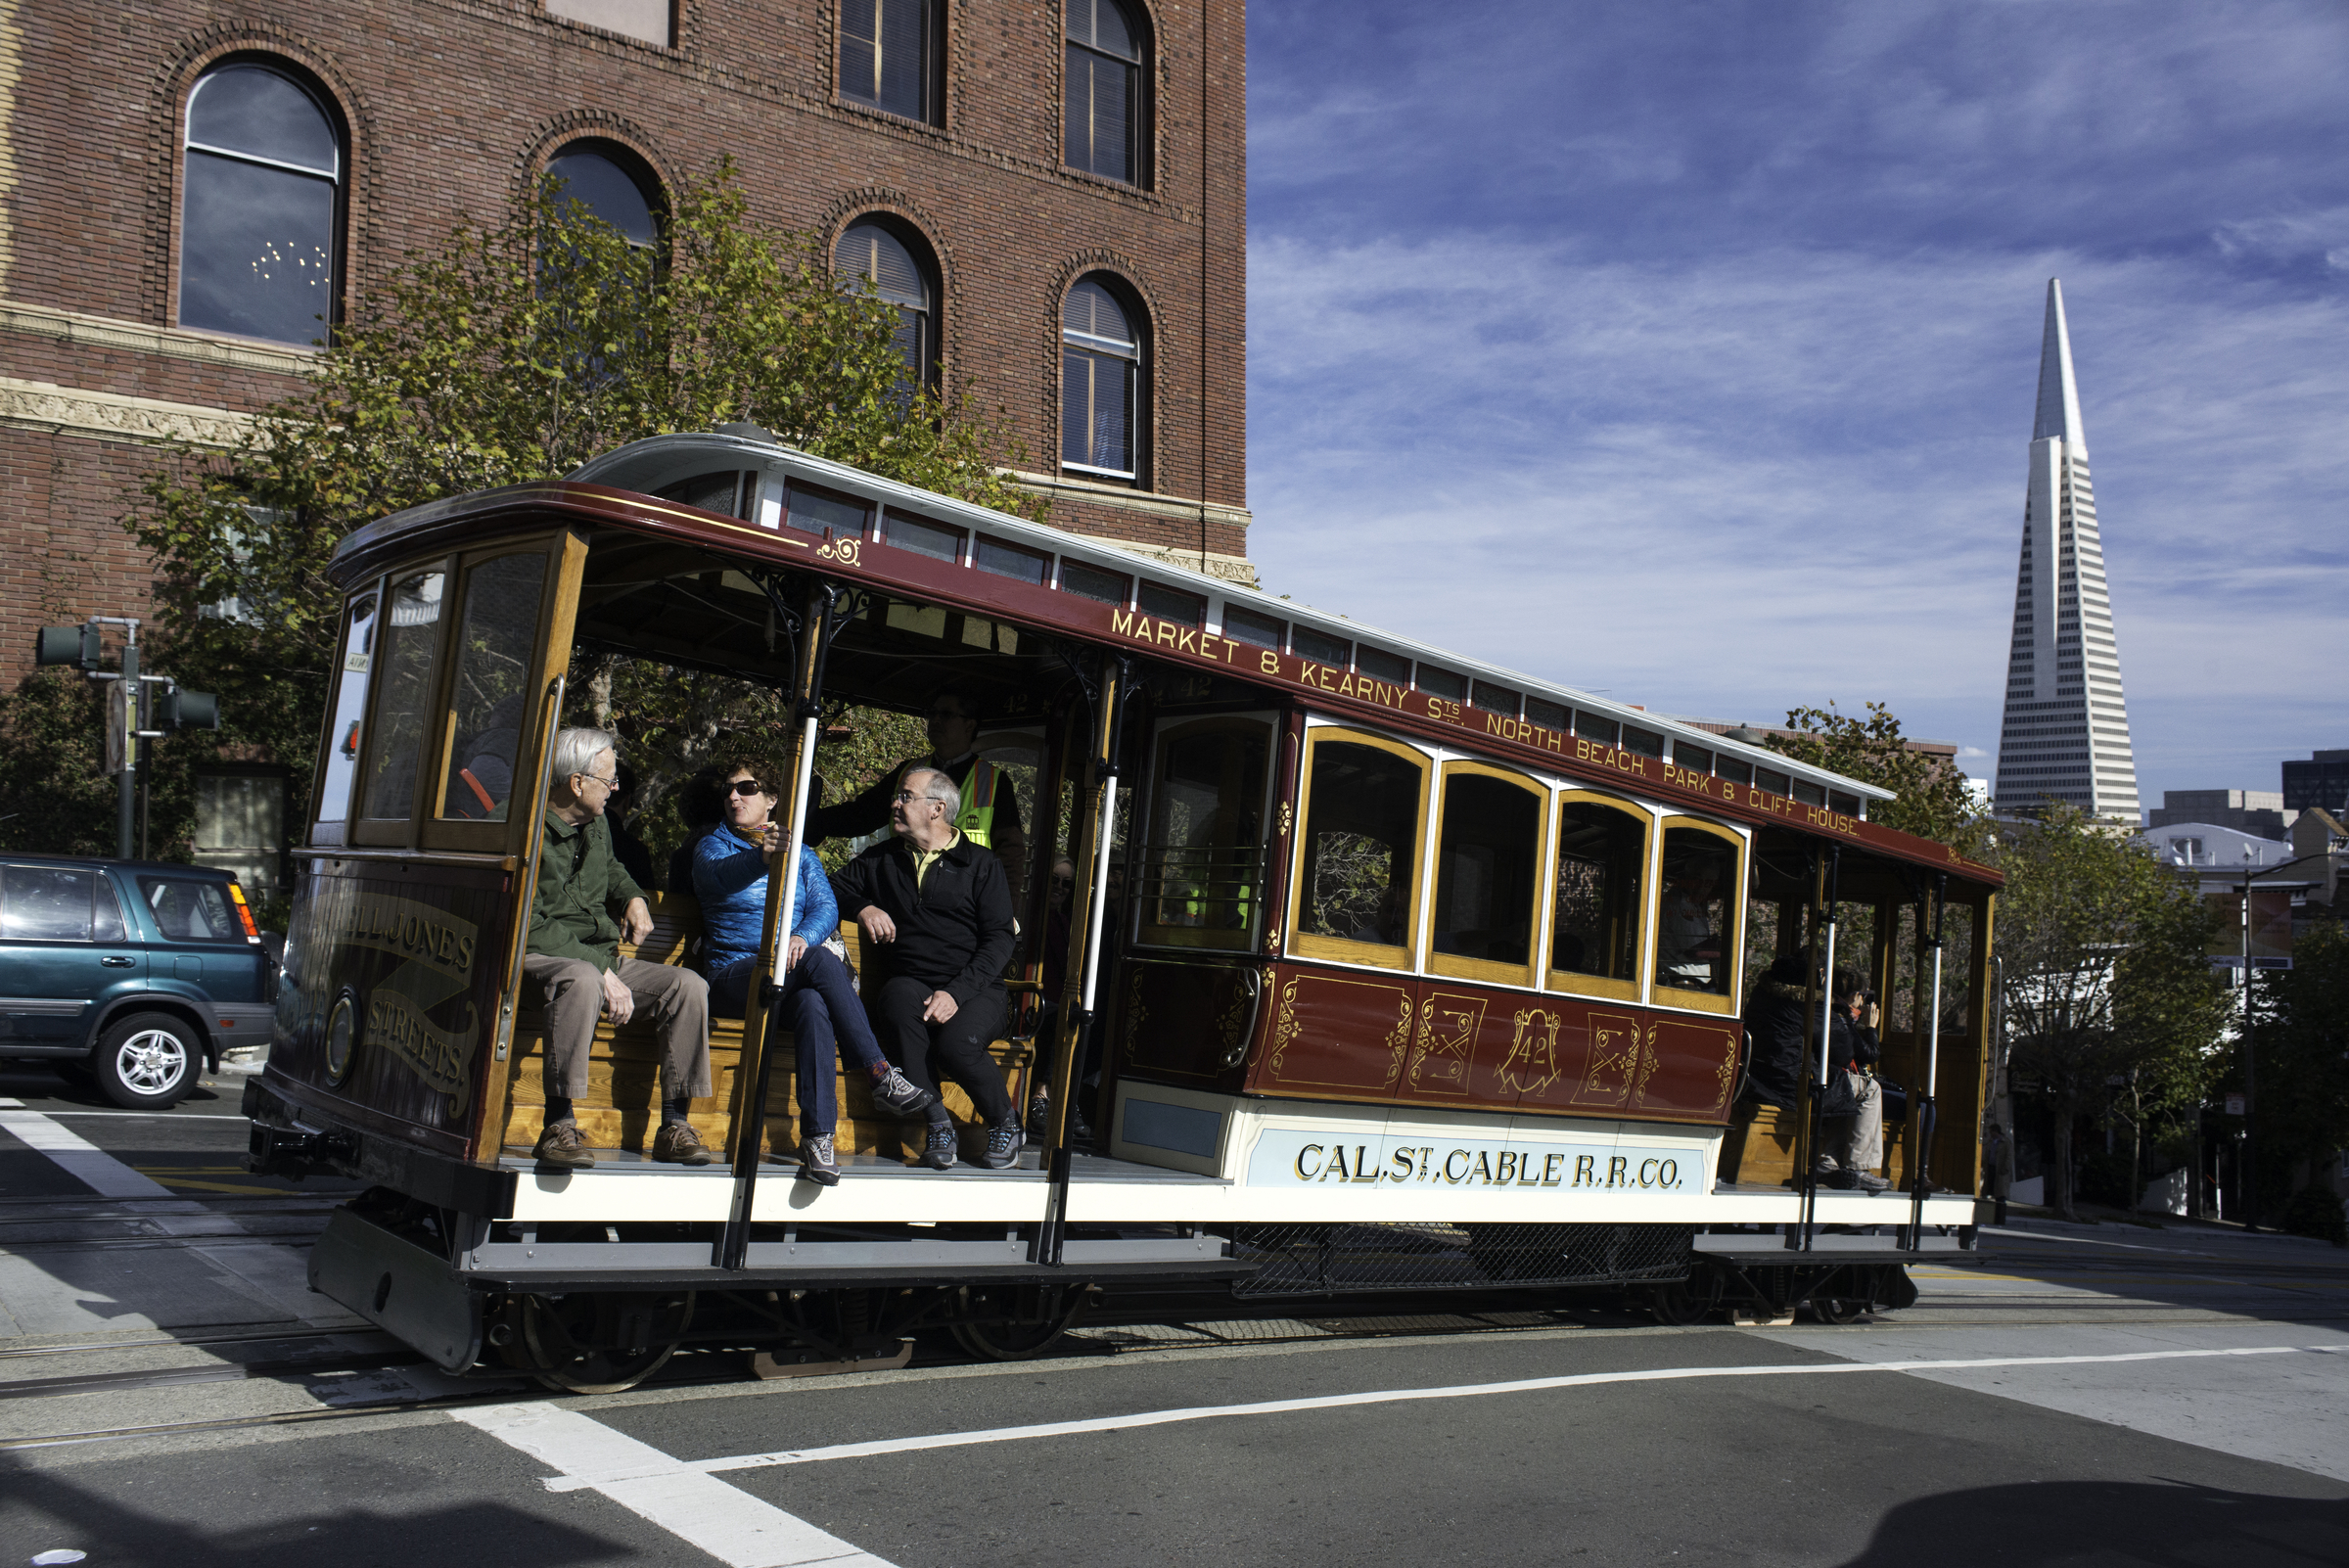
(1761, 450)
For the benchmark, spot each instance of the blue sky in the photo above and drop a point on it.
(1687, 352)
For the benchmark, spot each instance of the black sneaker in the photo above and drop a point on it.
(938, 1150)
(1841, 1180)
(1003, 1140)
(1039, 1115)
(900, 1095)
(817, 1163)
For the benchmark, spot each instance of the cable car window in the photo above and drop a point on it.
(1203, 865)
(1257, 631)
(1696, 917)
(818, 512)
(1549, 716)
(1442, 682)
(718, 493)
(1735, 771)
(1364, 806)
(350, 710)
(403, 706)
(1848, 805)
(1171, 604)
(1321, 650)
(1770, 779)
(922, 538)
(1492, 699)
(1594, 921)
(1645, 742)
(491, 695)
(1379, 665)
(1091, 582)
(1487, 866)
(1591, 726)
(1810, 793)
(1695, 758)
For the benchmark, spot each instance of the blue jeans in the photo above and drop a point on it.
(825, 1018)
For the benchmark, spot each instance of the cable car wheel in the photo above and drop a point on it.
(1679, 1303)
(599, 1343)
(984, 1333)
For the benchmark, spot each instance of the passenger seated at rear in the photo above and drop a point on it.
(1773, 1035)
(819, 995)
(1851, 1112)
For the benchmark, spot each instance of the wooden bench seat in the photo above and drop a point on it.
(1759, 1146)
(621, 1107)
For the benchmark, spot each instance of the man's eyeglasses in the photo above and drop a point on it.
(746, 786)
(908, 797)
(611, 783)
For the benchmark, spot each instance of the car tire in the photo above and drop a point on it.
(148, 1060)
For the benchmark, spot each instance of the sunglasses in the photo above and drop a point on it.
(748, 786)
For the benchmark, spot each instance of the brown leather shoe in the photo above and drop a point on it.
(677, 1143)
(561, 1145)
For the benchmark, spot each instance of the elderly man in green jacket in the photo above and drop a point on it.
(586, 903)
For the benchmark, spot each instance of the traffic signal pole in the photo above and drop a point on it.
(78, 647)
(126, 783)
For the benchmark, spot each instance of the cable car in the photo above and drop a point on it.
(1385, 969)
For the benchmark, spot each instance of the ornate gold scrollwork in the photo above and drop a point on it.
(1533, 1065)
(842, 550)
(1285, 1028)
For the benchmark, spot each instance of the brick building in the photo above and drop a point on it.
(1052, 190)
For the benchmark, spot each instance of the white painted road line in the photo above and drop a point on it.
(1333, 1401)
(726, 1522)
(152, 1116)
(85, 1162)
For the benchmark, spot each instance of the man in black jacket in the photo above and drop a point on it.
(1852, 1114)
(937, 927)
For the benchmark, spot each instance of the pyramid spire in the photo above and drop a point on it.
(2065, 735)
(2059, 393)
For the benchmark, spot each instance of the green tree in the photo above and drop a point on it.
(2303, 1065)
(2105, 976)
(513, 351)
(1930, 796)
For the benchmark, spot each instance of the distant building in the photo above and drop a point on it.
(2255, 811)
(2213, 847)
(2322, 783)
(2065, 734)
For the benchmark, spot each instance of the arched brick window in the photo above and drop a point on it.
(1103, 390)
(902, 273)
(261, 226)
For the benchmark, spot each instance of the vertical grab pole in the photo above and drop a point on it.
(762, 1024)
(1075, 1022)
(1825, 981)
(1923, 1153)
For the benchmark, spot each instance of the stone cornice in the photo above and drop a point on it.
(113, 417)
(1060, 486)
(136, 337)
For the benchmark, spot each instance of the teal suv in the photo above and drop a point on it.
(131, 973)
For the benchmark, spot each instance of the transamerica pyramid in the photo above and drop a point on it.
(2065, 735)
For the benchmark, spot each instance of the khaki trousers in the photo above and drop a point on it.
(673, 1000)
(1855, 1143)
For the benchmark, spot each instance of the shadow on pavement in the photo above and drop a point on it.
(2110, 1524)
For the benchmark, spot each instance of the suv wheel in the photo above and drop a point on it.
(148, 1060)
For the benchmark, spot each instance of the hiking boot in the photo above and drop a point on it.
(677, 1143)
(817, 1163)
(1841, 1180)
(900, 1095)
(938, 1150)
(1869, 1182)
(561, 1146)
(1003, 1145)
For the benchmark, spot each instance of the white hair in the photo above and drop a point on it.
(940, 788)
(575, 752)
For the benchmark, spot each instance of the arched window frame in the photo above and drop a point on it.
(1082, 54)
(1733, 901)
(338, 124)
(1572, 982)
(1485, 969)
(634, 166)
(925, 260)
(1134, 352)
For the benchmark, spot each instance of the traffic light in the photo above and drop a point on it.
(182, 708)
(68, 645)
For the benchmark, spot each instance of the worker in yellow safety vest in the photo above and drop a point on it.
(990, 806)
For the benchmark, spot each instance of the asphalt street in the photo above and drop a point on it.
(2091, 1395)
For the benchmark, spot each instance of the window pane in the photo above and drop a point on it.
(1097, 401)
(1307, 643)
(492, 686)
(1104, 24)
(1172, 604)
(1776, 782)
(905, 57)
(1601, 863)
(1091, 582)
(922, 538)
(1848, 805)
(188, 911)
(1010, 561)
(1099, 134)
(1695, 758)
(1492, 699)
(1693, 924)
(351, 711)
(409, 649)
(256, 253)
(252, 110)
(1076, 406)
(1725, 767)
(45, 904)
(815, 512)
(1810, 793)
(1594, 726)
(1360, 833)
(1486, 869)
(869, 251)
(1093, 310)
(1549, 716)
(1442, 682)
(1203, 866)
(1380, 664)
(605, 189)
(1245, 625)
(717, 493)
(1645, 742)
(109, 924)
(860, 49)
